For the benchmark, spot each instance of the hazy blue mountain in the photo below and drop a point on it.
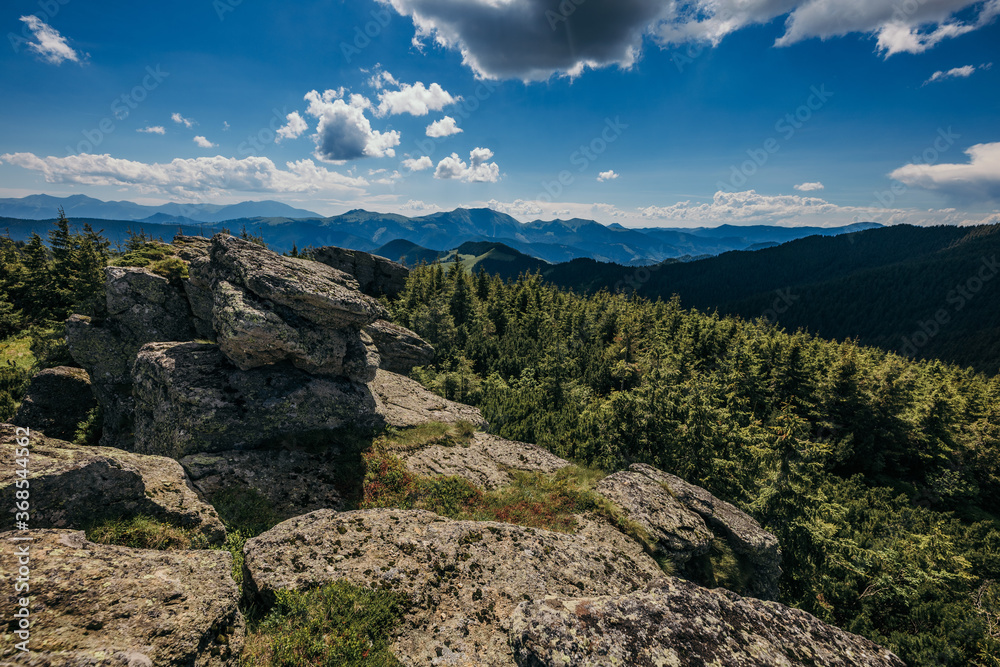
(44, 207)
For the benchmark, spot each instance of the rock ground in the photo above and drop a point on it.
(93, 604)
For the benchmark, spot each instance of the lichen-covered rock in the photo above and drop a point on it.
(751, 543)
(485, 461)
(674, 622)
(400, 350)
(310, 479)
(464, 578)
(189, 398)
(73, 486)
(190, 248)
(404, 402)
(679, 534)
(94, 604)
(140, 307)
(376, 275)
(58, 399)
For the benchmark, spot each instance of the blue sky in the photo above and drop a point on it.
(641, 112)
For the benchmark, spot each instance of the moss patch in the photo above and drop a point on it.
(143, 532)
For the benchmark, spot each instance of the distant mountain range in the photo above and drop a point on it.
(45, 207)
(552, 241)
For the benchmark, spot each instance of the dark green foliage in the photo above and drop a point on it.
(245, 510)
(13, 383)
(142, 532)
(872, 470)
(336, 625)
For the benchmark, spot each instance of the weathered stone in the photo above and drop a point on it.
(674, 622)
(58, 399)
(94, 604)
(376, 275)
(485, 461)
(463, 577)
(73, 486)
(400, 349)
(141, 307)
(404, 402)
(189, 399)
(190, 248)
(752, 544)
(679, 534)
(309, 290)
(310, 479)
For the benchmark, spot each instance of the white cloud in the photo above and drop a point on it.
(518, 207)
(344, 132)
(225, 126)
(416, 99)
(293, 129)
(153, 129)
(809, 187)
(417, 205)
(956, 73)
(181, 120)
(188, 177)
(418, 164)
(445, 127)
(609, 175)
(203, 142)
(535, 39)
(479, 169)
(977, 180)
(49, 45)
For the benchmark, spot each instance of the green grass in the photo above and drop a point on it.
(143, 532)
(336, 625)
(425, 435)
(157, 257)
(16, 351)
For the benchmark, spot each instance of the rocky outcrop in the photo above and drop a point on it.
(190, 398)
(464, 578)
(310, 480)
(58, 399)
(678, 533)
(485, 462)
(377, 276)
(403, 402)
(675, 622)
(93, 604)
(140, 307)
(400, 349)
(755, 546)
(74, 486)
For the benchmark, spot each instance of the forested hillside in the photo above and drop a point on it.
(884, 287)
(878, 474)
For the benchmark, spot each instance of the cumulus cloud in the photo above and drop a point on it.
(976, 180)
(203, 142)
(535, 39)
(416, 99)
(153, 129)
(344, 132)
(956, 73)
(49, 44)
(293, 129)
(478, 170)
(445, 127)
(418, 164)
(517, 208)
(609, 175)
(188, 177)
(809, 187)
(181, 120)
(417, 205)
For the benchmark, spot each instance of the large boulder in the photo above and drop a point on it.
(189, 398)
(674, 622)
(73, 486)
(400, 350)
(486, 461)
(58, 399)
(758, 548)
(403, 402)
(464, 578)
(678, 533)
(377, 276)
(140, 307)
(94, 604)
